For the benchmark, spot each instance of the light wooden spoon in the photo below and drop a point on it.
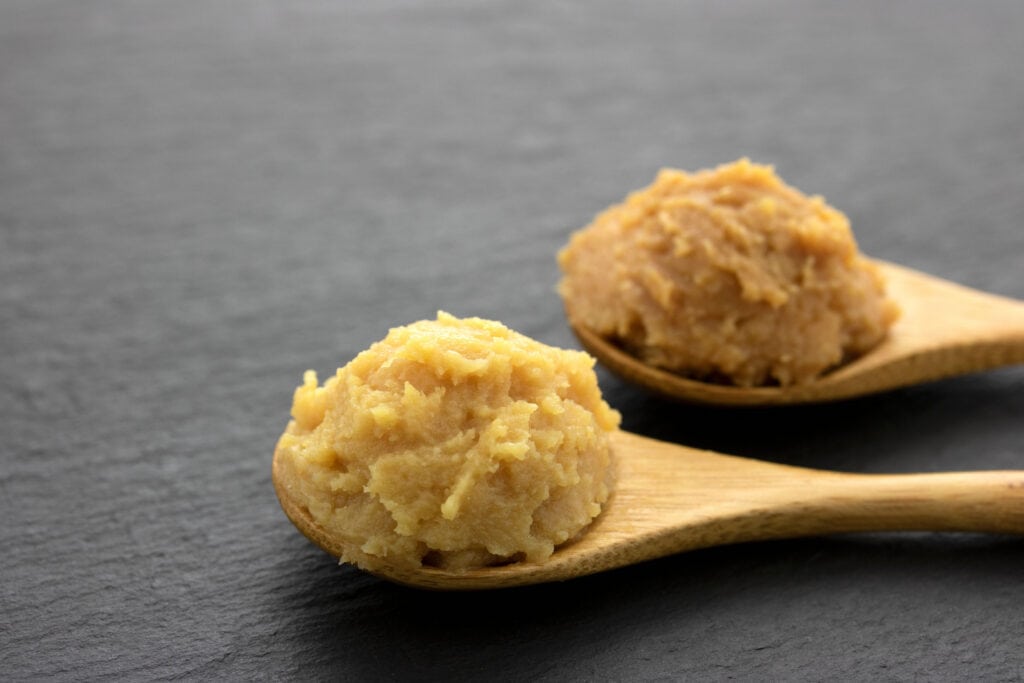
(671, 498)
(945, 330)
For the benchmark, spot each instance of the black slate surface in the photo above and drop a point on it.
(200, 200)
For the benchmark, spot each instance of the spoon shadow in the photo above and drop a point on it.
(928, 427)
(353, 623)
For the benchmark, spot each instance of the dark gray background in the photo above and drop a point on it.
(199, 200)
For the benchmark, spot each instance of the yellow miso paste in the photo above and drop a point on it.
(455, 443)
(726, 275)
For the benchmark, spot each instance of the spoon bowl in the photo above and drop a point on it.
(669, 499)
(945, 330)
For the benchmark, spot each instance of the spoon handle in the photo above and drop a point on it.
(673, 498)
(991, 502)
(951, 329)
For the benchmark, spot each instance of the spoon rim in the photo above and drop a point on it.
(883, 368)
(687, 389)
(432, 578)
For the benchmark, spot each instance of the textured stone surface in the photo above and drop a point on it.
(200, 200)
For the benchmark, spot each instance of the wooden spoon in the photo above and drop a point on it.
(671, 498)
(945, 330)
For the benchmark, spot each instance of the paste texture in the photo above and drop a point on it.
(455, 443)
(726, 275)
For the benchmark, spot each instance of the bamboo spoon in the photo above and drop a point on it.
(671, 498)
(945, 330)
